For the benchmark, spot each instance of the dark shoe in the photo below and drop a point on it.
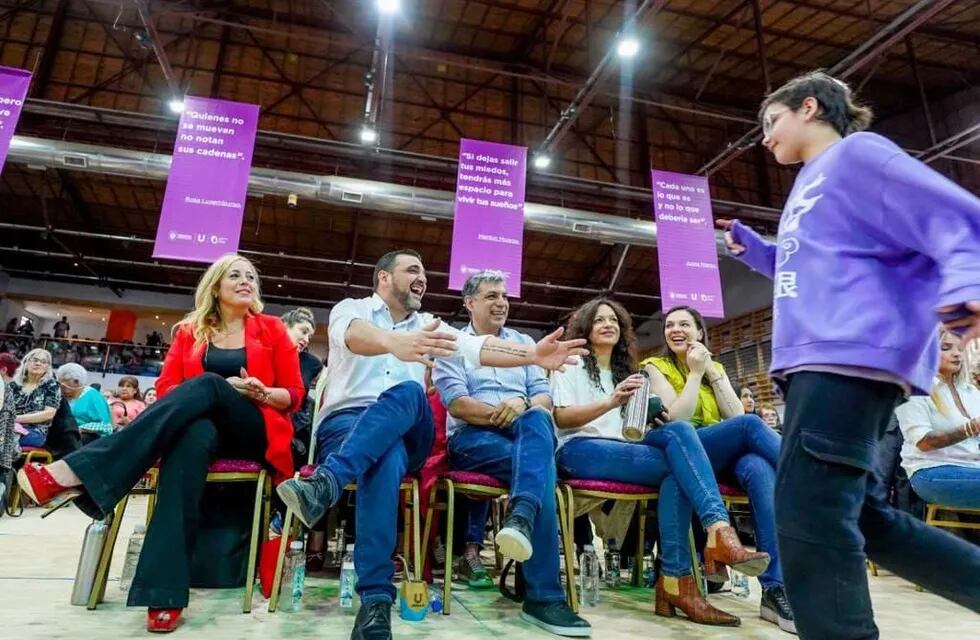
(557, 618)
(309, 498)
(373, 621)
(471, 570)
(724, 547)
(775, 608)
(682, 593)
(514, 538)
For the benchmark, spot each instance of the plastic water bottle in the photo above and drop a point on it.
(435, 602)
(88, 562)
(293, 576)
(740, 584)
(612, 564)
(348, 580)
(132, 556)
(589, 577)
(339, 541)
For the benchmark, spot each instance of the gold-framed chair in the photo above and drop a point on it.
(480, 486)
(409, 487)
(222, 470)
(933, 517)
(30, 455)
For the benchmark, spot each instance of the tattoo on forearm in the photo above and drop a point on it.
(941, 439)
(506, 349)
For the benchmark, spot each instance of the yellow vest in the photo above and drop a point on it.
(706, 412)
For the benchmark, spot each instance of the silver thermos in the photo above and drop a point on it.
(635, 416)
(88, 562)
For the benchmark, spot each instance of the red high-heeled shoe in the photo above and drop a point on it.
(37, 482)
(162, 620)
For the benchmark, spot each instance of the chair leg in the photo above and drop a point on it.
(695, 563)
(429, 518)
(254, 541)
(569, 550)
(280, 561)
(570, 546)
(151, 500)
(496, 516)
(97, 594)
(447, 578)
(419, 561)
(641, 523)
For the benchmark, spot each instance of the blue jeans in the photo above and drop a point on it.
(477, 512)
(33, 438)
(951, 485)
(523, 456)
(376, 446)
(745, 448)
(670, 457)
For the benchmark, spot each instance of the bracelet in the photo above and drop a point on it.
(971, 428)
(717, 379)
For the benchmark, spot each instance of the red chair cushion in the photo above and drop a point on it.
(609, 486)
(729, 490)
(234, 466)
(472, 477)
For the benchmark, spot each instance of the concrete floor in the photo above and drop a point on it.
(38, 560)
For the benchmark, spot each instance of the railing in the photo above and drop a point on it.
(95, 355)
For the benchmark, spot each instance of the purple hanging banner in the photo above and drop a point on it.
(204, 204)
(13, 88)
(488, 227)
(686, 249)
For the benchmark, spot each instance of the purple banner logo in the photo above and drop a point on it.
(204, 204)
(13, 88)
(488, 227)
(686, 249)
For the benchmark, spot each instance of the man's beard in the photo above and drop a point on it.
(405, 299)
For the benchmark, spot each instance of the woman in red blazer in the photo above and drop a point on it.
(229, 382)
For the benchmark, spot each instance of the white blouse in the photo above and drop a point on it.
(920, 415)
(574, 387)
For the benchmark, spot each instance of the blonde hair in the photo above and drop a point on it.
(961, 378)
(20, 376)
(205, 320)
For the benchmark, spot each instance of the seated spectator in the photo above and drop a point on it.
(741, 448)
(149, 397)
(500, 424)
(747, 399)
(771, 417)
(210, 405)
(87, 405)
(942, 450)
(127, 404)
(108, 394)
(300, 324)
(590, 398)
(9, 450)
(376, 421)
(36, 397)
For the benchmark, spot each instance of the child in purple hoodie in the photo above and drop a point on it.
(872, 244)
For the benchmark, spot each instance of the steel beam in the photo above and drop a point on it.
(143, 9)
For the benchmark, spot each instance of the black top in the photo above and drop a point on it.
(226, 363)
(309, 368)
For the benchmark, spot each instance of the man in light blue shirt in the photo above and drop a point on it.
(500, 424)
(377, 424)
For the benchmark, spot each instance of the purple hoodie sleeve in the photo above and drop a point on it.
(759, 254)
(931, 215)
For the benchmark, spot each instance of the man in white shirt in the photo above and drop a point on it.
(377, 424)
(500, 424)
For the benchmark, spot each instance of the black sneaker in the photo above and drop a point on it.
(309, 498)
(775, 608)
(557, 618)
(373, 621)
(471, 570)
(514, 538)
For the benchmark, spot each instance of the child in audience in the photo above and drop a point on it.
(874, 247)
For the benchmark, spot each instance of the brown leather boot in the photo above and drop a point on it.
(682, 593)
(724, 547)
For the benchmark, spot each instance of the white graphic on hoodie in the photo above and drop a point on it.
(801, 202)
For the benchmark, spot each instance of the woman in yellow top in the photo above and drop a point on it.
(741, 448)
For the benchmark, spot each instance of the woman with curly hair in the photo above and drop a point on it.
(589, 402)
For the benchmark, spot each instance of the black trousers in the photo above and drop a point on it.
(199, 420)
(831, 512)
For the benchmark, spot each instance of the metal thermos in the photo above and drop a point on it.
(88, 562)
(635, 416)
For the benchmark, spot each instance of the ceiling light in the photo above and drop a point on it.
(542, 161)
(627, 47)
(369, 135)
(90, 311)
(279, 285)
(157, 317)
(176, 106)
(389, 7)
